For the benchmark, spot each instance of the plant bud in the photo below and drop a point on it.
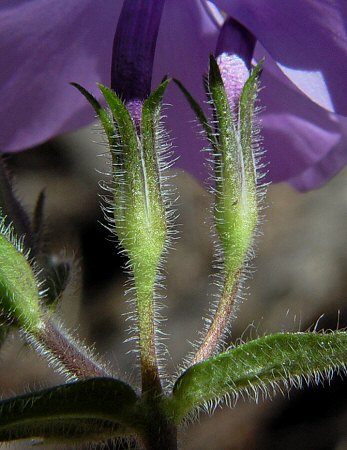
(236, 211)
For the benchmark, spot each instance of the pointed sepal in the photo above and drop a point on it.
(12, 209)
(102, 114)
(198, 111)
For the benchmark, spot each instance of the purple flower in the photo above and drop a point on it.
(305, 46)
(45, 44)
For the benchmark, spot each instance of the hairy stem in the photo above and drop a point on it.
(220, 319)
(145, 310)
(159, 431)
(163, 436)
(65, 354)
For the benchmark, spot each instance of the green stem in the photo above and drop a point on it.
(221, 318)
(163, 436)
(159, 430)
(145, 309)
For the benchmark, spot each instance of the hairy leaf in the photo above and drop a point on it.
(259, 364)
(62, 431)
(98, 406)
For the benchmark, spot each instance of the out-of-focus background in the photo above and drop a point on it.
(299, 278)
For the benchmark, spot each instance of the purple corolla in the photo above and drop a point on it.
(45, 44)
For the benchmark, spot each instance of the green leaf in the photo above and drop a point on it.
(259, 364)
(63, 431)
(104, 117)
(98, 406)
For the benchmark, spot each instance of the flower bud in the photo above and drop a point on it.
(236, 209)
(234, 73)
(138, 208)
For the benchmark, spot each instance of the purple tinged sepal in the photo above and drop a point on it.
(13, 209)
(235, 176)
(136, 148)
(232, 92)
(233, 136)
(235, 148)
(134, 107)
(23, 304)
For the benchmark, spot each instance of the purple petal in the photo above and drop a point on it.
(235, 39)
(134, 47)
(186, 37)
(45, 44)
(318, 174)
(234, 73)
(297, 133)
(308, 39)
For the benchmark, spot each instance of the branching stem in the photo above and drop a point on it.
(74, 359)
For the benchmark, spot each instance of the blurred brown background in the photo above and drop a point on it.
(300, 275)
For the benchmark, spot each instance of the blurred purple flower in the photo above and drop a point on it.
(44, 44)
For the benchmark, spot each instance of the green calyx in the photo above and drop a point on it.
(139, 211)
(138, 206)
(19, 293)
(236, 208)
(231, 136)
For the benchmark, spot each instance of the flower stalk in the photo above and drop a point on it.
(95, 408)
(22, 304)
(138, 207)
(232, 94)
